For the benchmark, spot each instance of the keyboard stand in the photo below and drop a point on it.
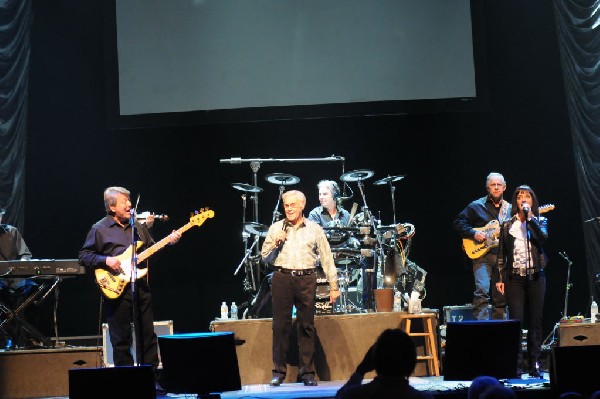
(9, 314)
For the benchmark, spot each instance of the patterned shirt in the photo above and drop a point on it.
(306, 245)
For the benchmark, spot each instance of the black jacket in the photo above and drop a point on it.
(538, 234)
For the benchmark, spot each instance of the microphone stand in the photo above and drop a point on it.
(133, 278)
(552, 335)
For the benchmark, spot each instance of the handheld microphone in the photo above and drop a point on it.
(526, 208)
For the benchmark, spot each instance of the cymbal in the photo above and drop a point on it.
(282, 179)
(256, 229)
(356, 175)
(388, 179)
(246, 187)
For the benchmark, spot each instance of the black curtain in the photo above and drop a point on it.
(15, 24)
(579, 41)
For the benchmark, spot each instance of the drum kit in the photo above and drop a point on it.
(365, 252)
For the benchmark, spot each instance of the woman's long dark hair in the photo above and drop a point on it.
(535, 207)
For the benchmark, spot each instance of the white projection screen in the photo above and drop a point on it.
(283, 58)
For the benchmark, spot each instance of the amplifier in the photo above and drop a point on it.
(579, 334)
(456, 314)
(160, 328)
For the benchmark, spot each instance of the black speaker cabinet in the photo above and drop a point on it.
(482, 347)
(574, 368)
(117, 382)
(200, 363)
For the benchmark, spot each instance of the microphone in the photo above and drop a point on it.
(526, 208)
(284, 227)
(132, 216)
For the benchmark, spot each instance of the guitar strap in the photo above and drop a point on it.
(503, 213)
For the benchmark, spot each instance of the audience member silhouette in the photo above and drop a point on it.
(498, 392)
(393, 356)
(480, 384)
(575, 395)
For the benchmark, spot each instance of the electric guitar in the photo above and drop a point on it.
(475, 249)
(112, 285)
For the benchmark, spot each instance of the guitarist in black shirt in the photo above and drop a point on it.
(109, 237)
(479, 225)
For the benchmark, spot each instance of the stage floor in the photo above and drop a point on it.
(327, 389)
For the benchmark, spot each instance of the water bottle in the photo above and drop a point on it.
(234, 311)
(593, 311)
(224, 311)
(397, 302)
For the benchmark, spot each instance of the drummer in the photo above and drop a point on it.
(330, 213)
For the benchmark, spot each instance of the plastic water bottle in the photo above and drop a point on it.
(593, 311)
(397, 302)
(234, 311)
(224, 311)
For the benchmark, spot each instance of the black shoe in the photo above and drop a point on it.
(159, 389)
(534, 374)
(276, 381)
(309, 380)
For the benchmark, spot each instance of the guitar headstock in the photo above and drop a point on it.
(546, 208)
(197, 218)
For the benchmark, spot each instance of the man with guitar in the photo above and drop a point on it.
(479, 225)
(107, 239)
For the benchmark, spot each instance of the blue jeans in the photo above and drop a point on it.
(486, 275)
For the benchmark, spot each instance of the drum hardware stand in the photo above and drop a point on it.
(346, 304)
(551, 341)
(276, 213)
(249, 280)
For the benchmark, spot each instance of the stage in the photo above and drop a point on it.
(341, 344)
(524, 388)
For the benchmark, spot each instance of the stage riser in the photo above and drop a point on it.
(42, 373)
(342, 341)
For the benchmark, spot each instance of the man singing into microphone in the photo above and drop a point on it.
(521, 262)
(294, 246)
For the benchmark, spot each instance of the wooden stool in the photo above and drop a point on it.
(433, 364)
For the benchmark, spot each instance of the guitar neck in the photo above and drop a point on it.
(161, 244)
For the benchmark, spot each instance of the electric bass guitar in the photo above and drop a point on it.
(475, 249)
(112, 285)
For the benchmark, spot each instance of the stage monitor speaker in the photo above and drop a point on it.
(481, 347)
(200, 363)
(122, 382)
(572, 368)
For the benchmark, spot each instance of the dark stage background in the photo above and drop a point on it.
(71, 157)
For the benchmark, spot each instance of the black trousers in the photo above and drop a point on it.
(288, 291)
(119, 315)
(527, 293)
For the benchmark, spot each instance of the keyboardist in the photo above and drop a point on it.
(13, 291)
